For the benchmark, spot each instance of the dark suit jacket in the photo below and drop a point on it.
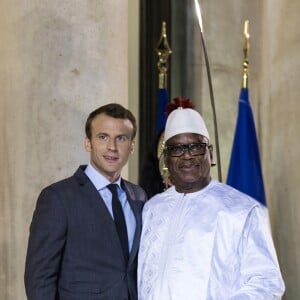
(74, 252)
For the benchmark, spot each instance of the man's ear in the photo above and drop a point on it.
(132, 146)
(87, 144)
(210, 147)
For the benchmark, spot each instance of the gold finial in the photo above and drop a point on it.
(163, 51)
(246, 53)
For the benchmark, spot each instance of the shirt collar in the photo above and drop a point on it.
(98, 180)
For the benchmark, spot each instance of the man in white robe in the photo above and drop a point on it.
(202, 239)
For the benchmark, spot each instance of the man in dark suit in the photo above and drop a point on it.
(75, 248)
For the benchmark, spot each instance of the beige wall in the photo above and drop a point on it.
(133, 78)
(279, 92)
(58, 61)
(61, 59)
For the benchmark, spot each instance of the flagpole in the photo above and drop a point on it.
(198, 12)
(246, 53)
(163, 51)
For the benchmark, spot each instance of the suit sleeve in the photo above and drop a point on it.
(260, 273)
(45, 247)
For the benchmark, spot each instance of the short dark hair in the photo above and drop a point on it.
(114, 110)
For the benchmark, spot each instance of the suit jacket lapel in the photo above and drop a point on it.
(92, 195)
(97, 204)
(136, 207)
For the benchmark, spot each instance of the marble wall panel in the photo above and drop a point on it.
(59, 60)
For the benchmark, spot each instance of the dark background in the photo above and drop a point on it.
(152, 14)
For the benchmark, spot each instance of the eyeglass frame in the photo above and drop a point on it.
(187, 147)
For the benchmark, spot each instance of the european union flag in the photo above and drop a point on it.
(245, 172)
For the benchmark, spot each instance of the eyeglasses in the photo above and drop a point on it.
(179, 149)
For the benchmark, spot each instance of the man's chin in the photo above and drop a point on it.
(186, 181)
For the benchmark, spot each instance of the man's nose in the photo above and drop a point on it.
(186, 152)
(111, 144)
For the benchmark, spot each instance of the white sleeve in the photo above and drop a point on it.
(260, 273)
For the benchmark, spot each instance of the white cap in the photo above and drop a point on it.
(184, 120)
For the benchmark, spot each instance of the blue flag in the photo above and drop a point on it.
(163, 100)
(245, 172)
(150, 178)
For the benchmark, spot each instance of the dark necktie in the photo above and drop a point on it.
(119, 219)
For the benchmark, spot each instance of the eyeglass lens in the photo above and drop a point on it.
(194, 149)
